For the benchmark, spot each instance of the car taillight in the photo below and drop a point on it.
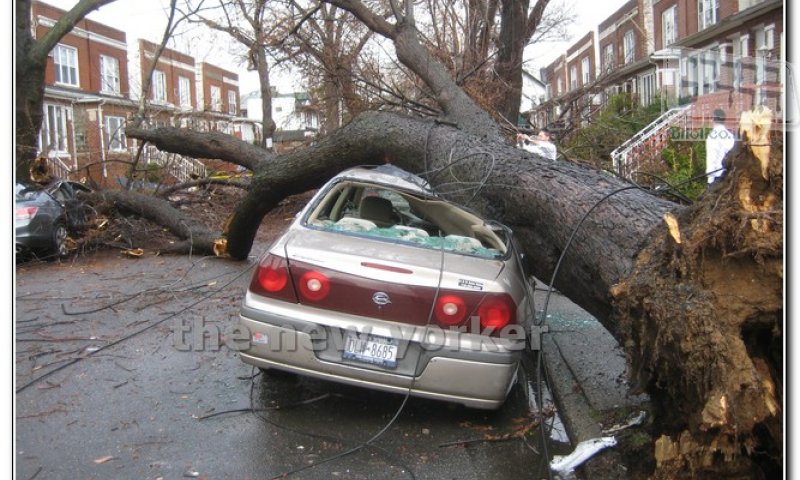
(271, 279)
(496, 312)
(26, 213)
(450, 310)
(314, 286)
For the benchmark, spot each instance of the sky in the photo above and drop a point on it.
(147, 19)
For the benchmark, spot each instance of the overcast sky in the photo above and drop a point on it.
(147, 19)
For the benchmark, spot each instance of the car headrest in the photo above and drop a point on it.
(378, 210)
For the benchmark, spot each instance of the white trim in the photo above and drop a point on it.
(769, 36)
(578, 52)
(66, 121)
(170, 62)
(123, 139)
(613, 28)
(82, 33)
(230, 81)
(76, 66)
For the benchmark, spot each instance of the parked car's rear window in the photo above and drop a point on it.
(425, 222)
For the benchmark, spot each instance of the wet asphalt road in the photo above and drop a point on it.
(106, 388)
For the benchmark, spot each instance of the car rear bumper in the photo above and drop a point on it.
(475, 379)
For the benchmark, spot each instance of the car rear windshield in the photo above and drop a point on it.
(376, 211)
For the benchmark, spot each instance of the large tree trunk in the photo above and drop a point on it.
(513, 16)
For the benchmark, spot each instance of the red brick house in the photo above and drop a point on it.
(725, 54)
(91, 90)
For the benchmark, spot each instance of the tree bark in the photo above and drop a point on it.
(202, 145)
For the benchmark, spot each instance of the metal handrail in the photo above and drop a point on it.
(620, 155)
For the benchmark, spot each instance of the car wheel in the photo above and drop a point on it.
(59, 248)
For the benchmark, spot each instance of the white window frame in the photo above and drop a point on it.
(669, 24)
(115, 133)
(629, 46)
(573, 77)
(769, 37)
(647, 88)
(216, 98)
(707, 13)
(232, 102)
(109, 75)
(159, 86)
(184, 91)
(608, 57)
(709, 71)
(586, 70)
(65, 59)
(560, 86)
(55, 131)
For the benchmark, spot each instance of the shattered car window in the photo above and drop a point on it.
(392, 215)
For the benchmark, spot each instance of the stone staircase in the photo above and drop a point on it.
(648, 143)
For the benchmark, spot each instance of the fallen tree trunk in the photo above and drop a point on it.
(202, 145)
(197, 238)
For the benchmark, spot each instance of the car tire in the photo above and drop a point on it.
(59, 247)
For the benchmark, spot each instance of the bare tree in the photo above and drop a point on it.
(325, 43)
(251, 24)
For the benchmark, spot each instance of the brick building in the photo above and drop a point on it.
(92, 90)
(711, 54)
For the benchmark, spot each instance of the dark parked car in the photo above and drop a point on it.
(382, 284)
(45, 215)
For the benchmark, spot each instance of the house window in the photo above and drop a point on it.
(184, 92)
(769, 37)
(586, 71)
(216, 99)
(668, 23)
(115, 132)
(707, 13)
(232, 102)
(608, 57)
(629, 47)
(66, 63)
(765, 39)
(109, 75)
(159, 86)
(647, 89)
(573, 77)
(53, 137)
(710, 71)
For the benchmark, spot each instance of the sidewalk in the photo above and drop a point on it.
(587, 374)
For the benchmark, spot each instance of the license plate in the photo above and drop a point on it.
(371, 349)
